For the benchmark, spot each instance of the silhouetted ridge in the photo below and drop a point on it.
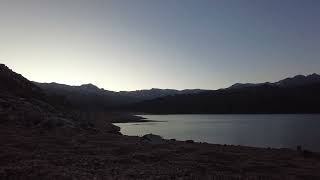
(91, 97)
(15, 84)
(298, 80)
(154, 93)
(299, 94)
(90, 87)
(246, 85)
(87, 97)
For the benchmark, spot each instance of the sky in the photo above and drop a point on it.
(142, 44)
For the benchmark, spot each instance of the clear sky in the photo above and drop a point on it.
(141, 44)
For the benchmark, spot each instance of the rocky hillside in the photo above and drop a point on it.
(12, 83)
(22, 103)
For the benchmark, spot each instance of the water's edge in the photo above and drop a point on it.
(263, 131)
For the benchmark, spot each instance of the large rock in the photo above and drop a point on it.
(153, 139)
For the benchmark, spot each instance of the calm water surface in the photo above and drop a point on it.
(281, 131)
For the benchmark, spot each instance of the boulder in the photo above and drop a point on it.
(153, 139)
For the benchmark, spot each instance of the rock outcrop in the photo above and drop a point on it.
(152, 139)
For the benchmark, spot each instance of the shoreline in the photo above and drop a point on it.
(133, 118)
(72, 153)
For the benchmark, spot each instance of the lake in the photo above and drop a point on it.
(278, 131)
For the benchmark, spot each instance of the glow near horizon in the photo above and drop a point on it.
(129, 45)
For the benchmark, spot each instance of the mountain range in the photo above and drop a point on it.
(90, 97)
(298, 80)
(299, 94)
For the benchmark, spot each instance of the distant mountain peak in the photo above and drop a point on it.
(314, 75)
(297, 80)
(246, 85)
(4, 67)
(90, 86)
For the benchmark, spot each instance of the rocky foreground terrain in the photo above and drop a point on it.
(74, 153)
(39, 140)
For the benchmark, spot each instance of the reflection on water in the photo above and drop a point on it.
(252, 130)
(144, 123)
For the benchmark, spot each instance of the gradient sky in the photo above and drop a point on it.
(141, 44)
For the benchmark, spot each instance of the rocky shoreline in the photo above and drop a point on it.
(70, 153)
(39, 143)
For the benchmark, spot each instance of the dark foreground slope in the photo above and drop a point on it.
(24, 104)
(39, 141)
(264, 98)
